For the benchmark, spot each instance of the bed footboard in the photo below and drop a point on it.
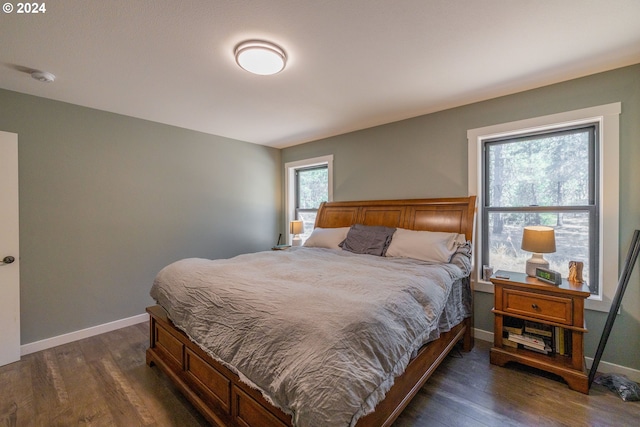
(220, 396)
(214, 390)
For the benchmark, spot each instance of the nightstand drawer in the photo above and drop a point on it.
(543, 307)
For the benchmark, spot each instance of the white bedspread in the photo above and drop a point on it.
(321, 333)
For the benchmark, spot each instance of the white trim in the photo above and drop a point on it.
(603, 367)
(289, 182)
(607, 368)
(48, 343)
(483, 335)
(81, 334)
(10, 246)
(608, 118)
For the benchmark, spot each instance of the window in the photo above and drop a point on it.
(308, 183)
(559, 170)
(312, 188)
(542, 178)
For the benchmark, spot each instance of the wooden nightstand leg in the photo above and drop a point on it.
(496, 357)
(497, 328)
(577, 358)
(577, 382)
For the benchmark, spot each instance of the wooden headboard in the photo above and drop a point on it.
(453, 215)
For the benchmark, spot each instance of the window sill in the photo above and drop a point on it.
(483, 286)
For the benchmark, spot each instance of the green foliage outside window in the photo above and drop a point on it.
(542, 179)
(312, 187)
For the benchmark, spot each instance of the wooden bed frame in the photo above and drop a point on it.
(225, 401)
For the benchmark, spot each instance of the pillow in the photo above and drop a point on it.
(326, 237)
(368, 239)
(433, 246)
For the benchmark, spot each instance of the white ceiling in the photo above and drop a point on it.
(352, 64)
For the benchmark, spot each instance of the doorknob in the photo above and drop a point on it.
(7, 260)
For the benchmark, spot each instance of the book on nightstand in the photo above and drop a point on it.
(513, 325)
(536, 328)
(545, 350)
(529, 340)
(506, 341)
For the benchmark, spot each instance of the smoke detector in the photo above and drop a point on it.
(43, 76)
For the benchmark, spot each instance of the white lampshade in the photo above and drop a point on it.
(539, 240)
(296, 227)
(260, 57)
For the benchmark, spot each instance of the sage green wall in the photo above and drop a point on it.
(427, 157)
(107, 200)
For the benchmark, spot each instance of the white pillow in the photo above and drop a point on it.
(326, 237)
(433, 246)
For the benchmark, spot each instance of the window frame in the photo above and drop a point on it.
(591, 208)
(291, 190)
(607, 118)
(296, 198)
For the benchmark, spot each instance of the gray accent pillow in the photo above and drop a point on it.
(368, 239)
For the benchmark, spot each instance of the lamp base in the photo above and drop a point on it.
(297, 241)
(534, 262)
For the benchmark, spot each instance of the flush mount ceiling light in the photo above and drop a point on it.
(43, 76)
(260, 57)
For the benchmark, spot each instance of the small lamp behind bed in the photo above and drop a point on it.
(296, 228)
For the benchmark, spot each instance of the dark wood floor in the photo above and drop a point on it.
(104, 381)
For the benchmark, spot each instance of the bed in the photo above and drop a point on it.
(218, 387)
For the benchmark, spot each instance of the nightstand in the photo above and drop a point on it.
(554, 313)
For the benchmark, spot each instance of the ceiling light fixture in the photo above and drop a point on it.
(43, 76)
(260, 57)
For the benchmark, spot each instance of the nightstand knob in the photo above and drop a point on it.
(534, 306)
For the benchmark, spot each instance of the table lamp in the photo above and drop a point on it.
(296, 228)
(539, 240)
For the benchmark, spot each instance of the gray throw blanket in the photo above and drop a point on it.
(321, 333)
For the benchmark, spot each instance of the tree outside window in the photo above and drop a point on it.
(312, 188)
(546, 179)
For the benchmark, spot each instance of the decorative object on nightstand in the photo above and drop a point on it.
(575, 271)
(540, 325)
(296, 228)
(487, 272)
(539, 240)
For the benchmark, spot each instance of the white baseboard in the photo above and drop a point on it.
(483, 335)
(83, 333)
(603, 367)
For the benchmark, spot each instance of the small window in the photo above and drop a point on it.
(312, 188)
(308, 183)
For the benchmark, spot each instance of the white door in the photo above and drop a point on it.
(9, 257)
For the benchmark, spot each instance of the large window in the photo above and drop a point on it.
(560, 171)
(542, 178)
(307, 184)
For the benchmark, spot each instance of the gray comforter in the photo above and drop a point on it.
(321, 333)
